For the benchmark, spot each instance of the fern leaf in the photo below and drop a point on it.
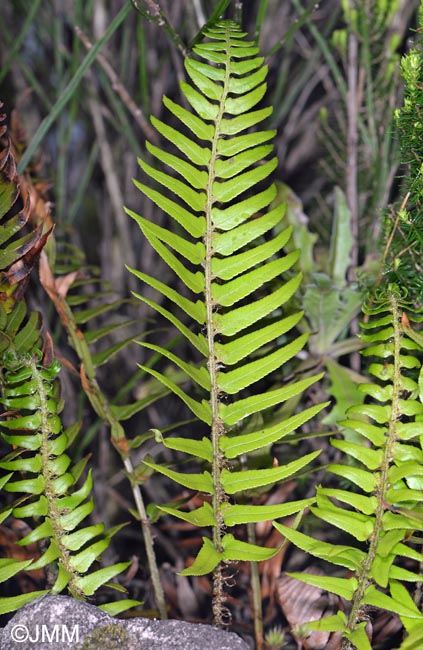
(227, 243)
(388, 469)
(232, 413)
(229, 267)
(234, 446)
(340, 586)
(235, 550)
(200, 409)
(234, 482)
(213, 180)
(228, 218)
(238, 319)
(201, 482)
(233, 351)
(241, 287)
(22, 233)
(199, 517)
(197, 448)
(199, 375)
(235, 380)
(29, 387)
(13, 603)
(237, 514)
(345, 556)
(190, 251)
(206, 561)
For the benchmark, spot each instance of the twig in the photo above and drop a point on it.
(386, 251)
(154, 13)
(392, 233)
(154, 8)
(120, 89)
(352, 166)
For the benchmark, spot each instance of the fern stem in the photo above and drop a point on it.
(53, 512)
(357, 609)
(217, 427)
(154, 13)
(101, 406)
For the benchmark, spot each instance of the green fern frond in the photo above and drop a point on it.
(386, 474)
(215, 187)
(40, 469)
(71, 295)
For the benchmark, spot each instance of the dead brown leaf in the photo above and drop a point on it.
(302, 603)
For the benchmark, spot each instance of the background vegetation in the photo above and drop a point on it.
(80, 122)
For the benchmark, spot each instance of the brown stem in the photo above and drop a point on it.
(217, 427)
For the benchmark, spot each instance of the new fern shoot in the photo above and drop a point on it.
(212, 178)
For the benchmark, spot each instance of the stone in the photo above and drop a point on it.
(62, 623)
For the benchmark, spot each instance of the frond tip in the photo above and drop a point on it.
(214, 190)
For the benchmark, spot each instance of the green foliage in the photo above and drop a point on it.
(405, 232)
(382, 507)
(230, 272)
(233, 254)
(329, 301)
(80, 297)
(369, 92)
(39, 468)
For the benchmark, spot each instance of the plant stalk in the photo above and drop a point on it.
(217, 427)
(53, 513)
(148, 541)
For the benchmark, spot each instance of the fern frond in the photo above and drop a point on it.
(40, 468)
(81, 297)
(215, 186)
(385, 471)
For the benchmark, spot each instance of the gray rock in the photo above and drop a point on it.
(62, 623)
